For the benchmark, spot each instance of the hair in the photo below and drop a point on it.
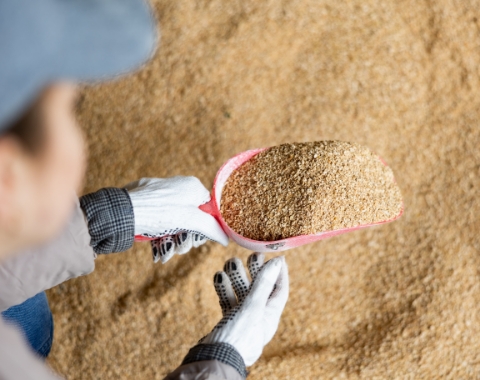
(29, 129)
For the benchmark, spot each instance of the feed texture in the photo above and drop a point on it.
(398, 301)
(307, 188)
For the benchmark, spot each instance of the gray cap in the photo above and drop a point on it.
(43, 41)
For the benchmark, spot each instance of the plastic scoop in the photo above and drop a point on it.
(213, 208)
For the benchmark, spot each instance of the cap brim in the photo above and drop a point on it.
(116, 38)
(83, 41)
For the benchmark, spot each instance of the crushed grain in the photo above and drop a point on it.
(306, 188)
(402, 77)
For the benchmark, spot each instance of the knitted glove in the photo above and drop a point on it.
(167, 209)
(251, 312)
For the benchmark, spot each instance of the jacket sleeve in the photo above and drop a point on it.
(219, 361)
(110, 218)
(17, 361)
(102, 222)
(29, 272)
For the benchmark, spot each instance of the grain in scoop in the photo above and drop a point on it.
(307, 188)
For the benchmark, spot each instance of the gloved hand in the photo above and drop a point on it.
(167, 209)
(251, 312)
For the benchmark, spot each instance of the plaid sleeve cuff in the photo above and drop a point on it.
(223, 352)
(110, 217)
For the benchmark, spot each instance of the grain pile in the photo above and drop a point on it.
(399, 301)
(306, 188)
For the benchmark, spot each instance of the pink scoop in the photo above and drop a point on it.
(213, 208)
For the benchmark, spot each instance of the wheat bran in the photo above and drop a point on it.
(396, 302)
(306, 188)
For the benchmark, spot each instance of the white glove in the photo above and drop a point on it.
(168, 209)
(250, 319)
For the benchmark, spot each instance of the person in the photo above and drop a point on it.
(48, 236)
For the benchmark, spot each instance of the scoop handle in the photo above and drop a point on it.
(209, 208)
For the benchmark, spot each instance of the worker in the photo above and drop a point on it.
(48, 236)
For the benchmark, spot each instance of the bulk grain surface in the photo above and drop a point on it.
(306, 188)
(399, 301)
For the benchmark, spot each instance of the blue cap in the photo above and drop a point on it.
(44, 41)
